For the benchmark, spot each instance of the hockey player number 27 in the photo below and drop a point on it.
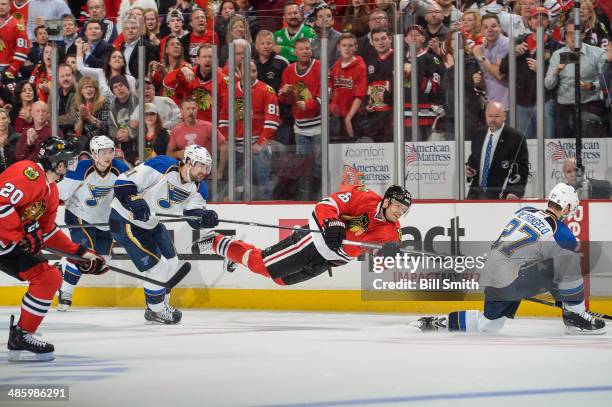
(13, 194)
(527, 236)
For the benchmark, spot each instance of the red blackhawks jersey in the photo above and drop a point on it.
(307, 89)
(14, 45)
(347, 82)
(26, 196)
(361, 211)
(20, 13)
(264, 105)
(200, 89)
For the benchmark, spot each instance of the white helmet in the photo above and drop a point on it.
(198, 154)
(563, 194)
(99, 143)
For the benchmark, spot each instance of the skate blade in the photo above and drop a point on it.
(147, 322)
(24, 356)
(570, 330)
(63, 307)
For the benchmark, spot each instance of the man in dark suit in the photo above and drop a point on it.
(132, 35)
(96, 49)
(598, 188)
(499, 153)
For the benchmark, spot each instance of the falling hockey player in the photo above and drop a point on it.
(160, 185)
(88, 192)
(304, 255)
(533, 254)
(28, 207)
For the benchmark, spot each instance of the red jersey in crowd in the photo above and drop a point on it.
(39, 77)
(177, 87)
(28, 197)
(347, 82)
(307, 89)
(361, 210)
(265, 118)
(194, 42)
(14, 45)
(20, 13)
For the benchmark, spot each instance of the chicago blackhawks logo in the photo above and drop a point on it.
(34, 211)
(31, 174)
(357, 224)
(175, 196)
(302, 93)
(202, 98)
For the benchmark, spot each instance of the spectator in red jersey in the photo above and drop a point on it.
(196, 83)
(348, 84)
(41, 75)
(15, 44)
(265, 121)
(195, 131)
(200, 34)
(35, 134)
(301, 88)
(173, 58)
(21, 111)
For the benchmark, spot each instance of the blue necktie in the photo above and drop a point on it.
(487, 163)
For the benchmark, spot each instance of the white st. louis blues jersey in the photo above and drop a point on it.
(87, 193)
(159, 182)
(531, 236)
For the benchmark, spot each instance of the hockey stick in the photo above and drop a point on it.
(171, 283)
(93, 225)
(240, 222)
(552, 304)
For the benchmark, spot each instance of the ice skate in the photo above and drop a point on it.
(168, 316)
(427, 324)
(583, 324)
(25, 347)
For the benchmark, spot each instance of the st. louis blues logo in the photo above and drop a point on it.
(175, 197)
(97, 193)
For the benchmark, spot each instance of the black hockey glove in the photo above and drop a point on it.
(208, 218)
(138, 207)
(334, 232)
(94, 263)
(390, 249)
(32, 242)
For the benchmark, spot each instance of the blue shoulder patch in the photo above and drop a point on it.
(161, 163)
(564, 237)
(203, 190)
(120, 165)
(78, 174)
(528, 209)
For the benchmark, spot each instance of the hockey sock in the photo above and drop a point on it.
(44, 280)
(71, 278)
(574, 306)
(571, 291)
(465, 321)
(240, 252)
(155, 294)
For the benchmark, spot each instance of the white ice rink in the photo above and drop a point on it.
(109, 358)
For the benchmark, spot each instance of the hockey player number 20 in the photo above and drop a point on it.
(13, 194)
(527, 236)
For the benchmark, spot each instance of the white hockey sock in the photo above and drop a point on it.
(579, 308)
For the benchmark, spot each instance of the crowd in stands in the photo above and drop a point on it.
(97, 45)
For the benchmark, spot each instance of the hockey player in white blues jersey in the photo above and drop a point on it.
(87, 192)
(160, 185)
(534, 253)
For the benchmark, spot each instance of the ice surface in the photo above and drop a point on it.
(109, 357)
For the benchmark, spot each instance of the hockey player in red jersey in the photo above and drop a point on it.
(28, 206)
(14, 45)
(358, 214)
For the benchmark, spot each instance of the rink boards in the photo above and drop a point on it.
(440, 222)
